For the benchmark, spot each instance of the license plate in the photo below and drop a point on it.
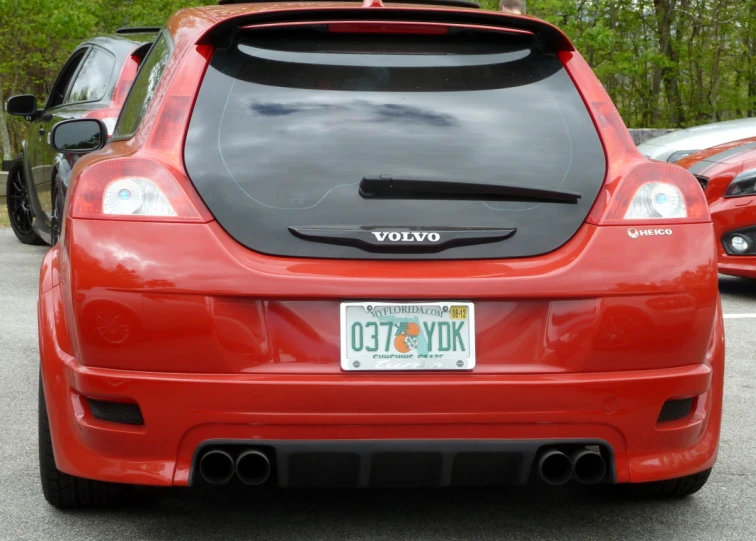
(407, 336)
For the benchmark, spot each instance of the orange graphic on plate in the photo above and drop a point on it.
(406, 337)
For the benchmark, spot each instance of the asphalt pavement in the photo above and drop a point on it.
(724, 510)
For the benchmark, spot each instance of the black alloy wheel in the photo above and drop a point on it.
(19, 206)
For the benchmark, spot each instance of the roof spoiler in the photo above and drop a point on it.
(550, 39)
(451, 3)
(139, 30)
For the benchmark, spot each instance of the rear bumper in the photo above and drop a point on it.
(184, 411)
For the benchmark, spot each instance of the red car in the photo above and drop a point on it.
(727, 173)
(363, 245)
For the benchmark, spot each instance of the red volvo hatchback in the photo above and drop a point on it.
(365, 245)
(727, 173)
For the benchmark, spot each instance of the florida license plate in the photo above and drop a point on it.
(407, 336)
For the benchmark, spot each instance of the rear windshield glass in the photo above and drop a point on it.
(288, 123)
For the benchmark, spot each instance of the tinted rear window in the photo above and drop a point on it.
(287, 124)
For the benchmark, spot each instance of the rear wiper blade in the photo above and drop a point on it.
(407, 187)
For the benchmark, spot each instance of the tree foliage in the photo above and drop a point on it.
(666, 63)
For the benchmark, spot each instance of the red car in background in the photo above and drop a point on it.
(359, 245)
(727, 173)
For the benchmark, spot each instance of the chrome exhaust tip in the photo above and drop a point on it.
(589, 465)
(216, 467)
(554, 467)
(253, 467)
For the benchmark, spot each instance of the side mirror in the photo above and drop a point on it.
(79, 136)
(23, 105)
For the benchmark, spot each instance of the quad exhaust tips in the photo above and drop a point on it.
(252, 467)
(556, 468)
(218, 467)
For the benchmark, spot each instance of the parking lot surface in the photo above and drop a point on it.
(724, 510)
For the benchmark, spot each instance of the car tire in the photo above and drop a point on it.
(19, 207)
(679, 487)
(66, 491)
(59, 203)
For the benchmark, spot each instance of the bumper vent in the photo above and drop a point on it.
(116, 412)
(674, 410)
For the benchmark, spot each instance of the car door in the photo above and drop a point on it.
(39, 170)
(86, 92)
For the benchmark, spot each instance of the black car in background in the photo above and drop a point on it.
(93, 83)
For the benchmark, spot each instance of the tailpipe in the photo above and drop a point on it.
(554, 467)
(216, 467)
(253, 467)
(590, 466)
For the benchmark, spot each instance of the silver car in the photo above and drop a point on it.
(676, 145)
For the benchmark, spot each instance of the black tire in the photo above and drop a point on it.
(19, 207)
(679, 487)
(59, 203)
(66, 491)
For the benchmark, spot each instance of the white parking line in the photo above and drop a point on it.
(739, 316)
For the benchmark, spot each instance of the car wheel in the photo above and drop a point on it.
(59, 202)
(670, 488)
(19, 205)
(67, 491)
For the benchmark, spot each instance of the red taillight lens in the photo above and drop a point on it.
(634, 190)
(171, 123)
(388, 28)
(645, 194)
(172, 120)
(132, 189)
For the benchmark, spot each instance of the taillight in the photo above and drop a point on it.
(657, 200)
(170, 126)
(134, 196)
(152, 185)
(635, 190)
(652, 193)
(132, 189)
